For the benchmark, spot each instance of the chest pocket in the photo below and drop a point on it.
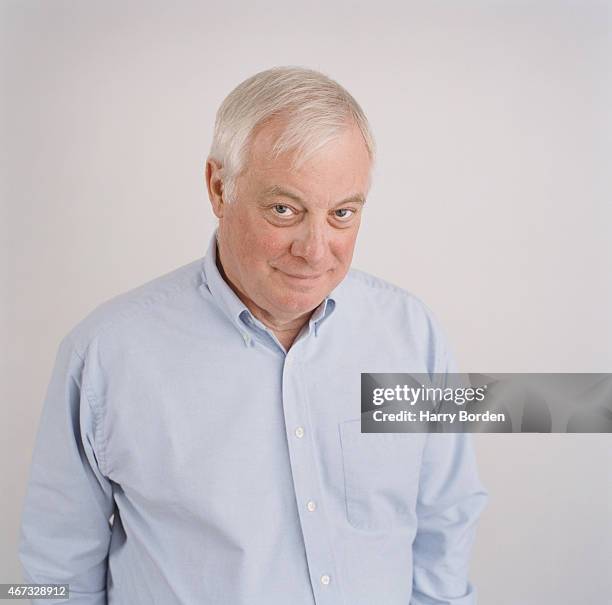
(381, 476)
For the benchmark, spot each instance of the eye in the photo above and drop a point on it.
(344, 214)
(282, 210)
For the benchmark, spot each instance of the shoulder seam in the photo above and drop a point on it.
(132, 308)
(378, 283)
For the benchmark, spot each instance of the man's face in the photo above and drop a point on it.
(288, 237)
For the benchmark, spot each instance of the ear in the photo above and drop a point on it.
(214, 184)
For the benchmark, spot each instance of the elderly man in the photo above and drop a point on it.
(200, 441)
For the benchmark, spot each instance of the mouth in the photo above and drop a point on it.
(301, 277)
(305, 277)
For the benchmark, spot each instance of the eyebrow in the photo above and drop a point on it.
(277, 190)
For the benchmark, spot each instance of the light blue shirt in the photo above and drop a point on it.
(184, 457)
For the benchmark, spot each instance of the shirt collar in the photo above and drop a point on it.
(226, 298)
(236, 311)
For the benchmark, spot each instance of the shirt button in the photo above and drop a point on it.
(299, 432)
(325, 579)
(311, 506)
(246, 338)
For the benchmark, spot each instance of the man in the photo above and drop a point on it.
(200, 440)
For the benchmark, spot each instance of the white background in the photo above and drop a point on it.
(491, 202)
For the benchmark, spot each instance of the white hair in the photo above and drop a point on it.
(315, 108)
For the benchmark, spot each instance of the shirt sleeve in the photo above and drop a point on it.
(450, 501)
(65, 527)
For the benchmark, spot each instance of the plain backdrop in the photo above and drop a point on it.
(491, 201)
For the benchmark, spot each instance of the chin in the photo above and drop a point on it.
(299, 302)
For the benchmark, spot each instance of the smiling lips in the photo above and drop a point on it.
(306, 277)
(301, 277)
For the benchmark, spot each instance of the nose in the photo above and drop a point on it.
(311, 244)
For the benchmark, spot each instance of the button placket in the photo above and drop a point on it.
(306, 483)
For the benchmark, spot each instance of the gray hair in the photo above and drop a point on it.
(316, 109)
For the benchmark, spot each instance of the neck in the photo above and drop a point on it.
(286, 336)
(285, 329)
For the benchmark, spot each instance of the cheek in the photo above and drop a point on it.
(343, 249)
(269, 243)
(264, 243)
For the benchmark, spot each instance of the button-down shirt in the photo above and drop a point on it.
(185, 457)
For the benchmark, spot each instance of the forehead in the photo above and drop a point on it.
(338, 169)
